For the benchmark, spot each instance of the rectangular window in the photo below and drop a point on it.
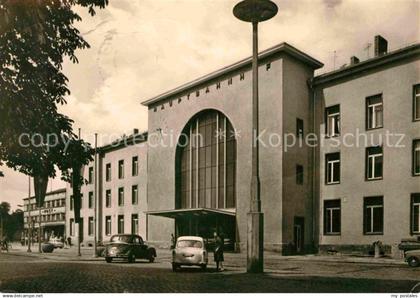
(90, 178)
(108, 172)
(332, 217)
(374, 163)
(71, 226)
(90, 200)
(332, 168)
(90, 226)
(416, 157)
(81, 201)
(416, 102)
(374, 112)
(108, 230)
(299, 174)
(299, 128)
(121, 169)
(135, 166)
(120, 224)
(108, 198)
(332, 120)
(134, 195)
(415, 213)
(121, 196)
(134, 224)
(373, 215)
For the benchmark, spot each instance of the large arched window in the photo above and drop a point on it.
(206, 163)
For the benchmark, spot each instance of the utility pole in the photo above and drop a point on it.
(29, 215)
(95, 197)
(255, 11)
(78, 224)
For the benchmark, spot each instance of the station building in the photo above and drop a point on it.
(190, 174)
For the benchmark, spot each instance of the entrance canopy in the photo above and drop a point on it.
(180, 213)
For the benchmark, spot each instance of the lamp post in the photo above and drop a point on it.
(255, 11)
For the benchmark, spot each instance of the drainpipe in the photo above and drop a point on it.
(310, 83)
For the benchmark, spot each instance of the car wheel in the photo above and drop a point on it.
(108, 260)
(131, 258)
(175, 267)
(413, 262)
(151, 258)
(203, 267)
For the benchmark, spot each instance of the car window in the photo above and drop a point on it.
(136, 240)
(121, 238)
(189, 243)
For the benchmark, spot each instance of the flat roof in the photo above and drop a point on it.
(363, 66)
(57, 191)
(194, 211)
(124, 141)
(280, 48)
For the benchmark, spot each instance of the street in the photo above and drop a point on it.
(49, 273)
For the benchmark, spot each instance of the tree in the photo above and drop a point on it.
(4, 216)
(35, 37)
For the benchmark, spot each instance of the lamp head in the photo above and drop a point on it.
(255, 11)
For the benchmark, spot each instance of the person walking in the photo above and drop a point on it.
(218, 252)
(173, 241)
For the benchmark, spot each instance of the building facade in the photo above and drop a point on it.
(191, 173)
(52, 215)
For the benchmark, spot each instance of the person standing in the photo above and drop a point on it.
(218, 252)
(173, 241)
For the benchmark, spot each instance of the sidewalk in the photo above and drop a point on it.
(234, 260)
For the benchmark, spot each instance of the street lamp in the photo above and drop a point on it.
(255, 11)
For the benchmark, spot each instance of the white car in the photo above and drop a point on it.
(58, 243)
(189, 251)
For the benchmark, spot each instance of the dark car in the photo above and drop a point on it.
(129, 247)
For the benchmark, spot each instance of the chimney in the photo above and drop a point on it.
(136, 131)
(381, 46)
(354, 60)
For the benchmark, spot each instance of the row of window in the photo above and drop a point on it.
(47, 204)
(134, 168)
(374, 113)
(373, 215)
(374, 164)
(108, 198)
(108, 225)
(47, 217)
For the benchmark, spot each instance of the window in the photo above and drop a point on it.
(332, 217)
(108, 198)
(373, 215)
(299, 174)
(134, 195)
(415, 213)
(121, 196)
(81, 201)
(90, 226)
(90, 202)
(71, 226)
(332, 120)
(108, 172)
(416, 102)
(374, 163)
(416, 157)
(90, 178)
(120, 224)
(299, 128)
(134, 223)
(332, 168)
(135, 166)
(206, 163)
(374, 112)
(121, 169)
(108, 230)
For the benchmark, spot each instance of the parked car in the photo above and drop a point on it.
(412, 257)
(47, 247)
(56, 242)
(189, 251)
(129, 247)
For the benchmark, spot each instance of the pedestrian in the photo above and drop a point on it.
(218, 252)
(173, 241)
(69, 241)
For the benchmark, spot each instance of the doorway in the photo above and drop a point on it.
(298, 234)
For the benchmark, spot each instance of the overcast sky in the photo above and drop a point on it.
(141, 48)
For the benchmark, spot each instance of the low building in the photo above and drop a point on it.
(52, 215)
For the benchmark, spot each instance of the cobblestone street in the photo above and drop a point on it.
(61, 272)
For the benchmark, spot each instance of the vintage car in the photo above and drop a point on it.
(189, 251)
(412, 257)
(58, 243)
(129, 247)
